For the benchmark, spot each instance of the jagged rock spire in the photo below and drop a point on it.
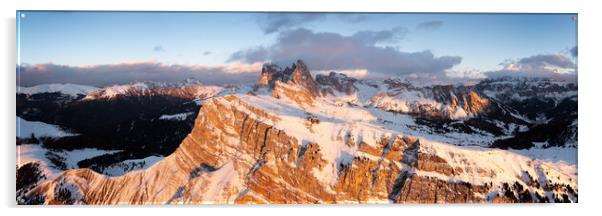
(336, 81)
(268, 73)
(296, 75)
(302, 77)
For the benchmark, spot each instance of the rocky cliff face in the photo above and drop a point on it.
(242, 151)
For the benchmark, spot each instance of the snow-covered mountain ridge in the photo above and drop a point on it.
(72, 90)
(189, 89)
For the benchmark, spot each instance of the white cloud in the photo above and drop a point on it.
(557, 66)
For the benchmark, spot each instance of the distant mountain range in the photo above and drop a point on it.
(72, 90)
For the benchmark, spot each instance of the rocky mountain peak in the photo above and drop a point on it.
(269, 73)
(336, 81)
(396, 83)
(302, 77)
(294, 82)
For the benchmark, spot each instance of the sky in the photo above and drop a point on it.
(103, 48)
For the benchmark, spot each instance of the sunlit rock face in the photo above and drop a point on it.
(438, 101)
(292, 80)
(285, 142)
(298, 74)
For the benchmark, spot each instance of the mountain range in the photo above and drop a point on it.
(293, 137)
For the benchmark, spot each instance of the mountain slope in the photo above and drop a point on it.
(34, 129)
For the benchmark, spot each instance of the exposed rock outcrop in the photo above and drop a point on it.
(336, 81)
(294, 82)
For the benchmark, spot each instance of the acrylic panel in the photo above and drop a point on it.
(118, 107)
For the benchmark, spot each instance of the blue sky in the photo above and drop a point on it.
(482, 41)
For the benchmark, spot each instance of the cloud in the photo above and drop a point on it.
(273, 22)
(371, 37)
(254, 54)
(333, 51)
(101, 75)
(557, 66)
(158, 48)
(353, 17)
(557, 60)
(206, 53)
(430, 25)
(276, 22)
